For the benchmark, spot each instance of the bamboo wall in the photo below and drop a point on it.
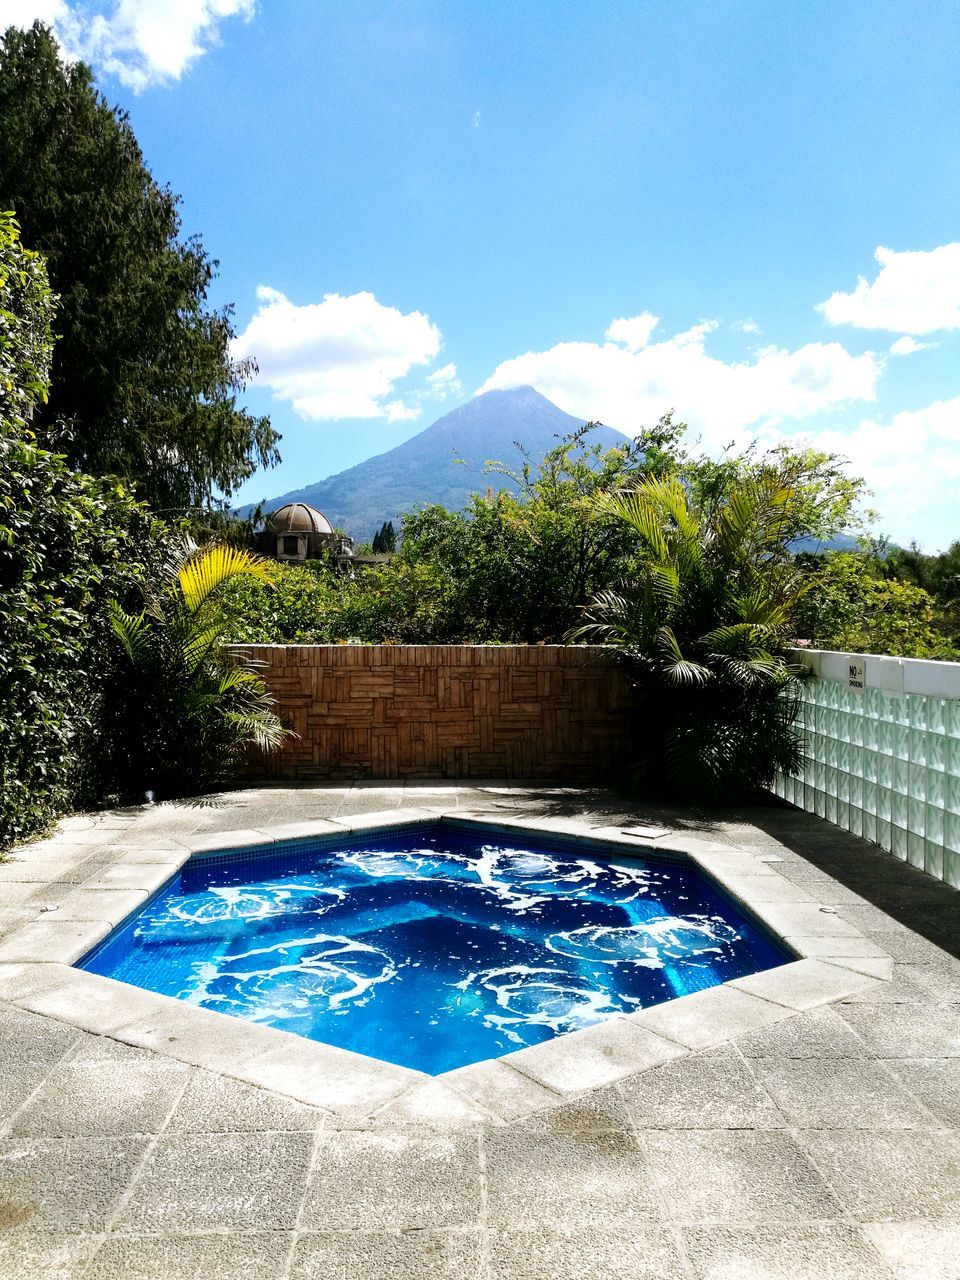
(446, 711)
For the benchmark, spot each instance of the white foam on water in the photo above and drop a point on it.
(326, 971)
(408, 864)
(226, 903)
(527, 995)
(522, 878)
(648, 943)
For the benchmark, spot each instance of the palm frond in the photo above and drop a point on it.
(264, 729)
(664, 581)
(133, 630)
(634, 508)
(202, 573)
(198, 644)
(676, 668)
(237, 677)
(761, 606)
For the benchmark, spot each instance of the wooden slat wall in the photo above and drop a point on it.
(446, 711)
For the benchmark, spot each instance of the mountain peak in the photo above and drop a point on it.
(445, 463)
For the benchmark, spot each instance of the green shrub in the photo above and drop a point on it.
(183, 709)
(296, 609)
(849, 605)
(67, 544)
(702, 625)
(310, 604)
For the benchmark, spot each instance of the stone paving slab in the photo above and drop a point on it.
(800, 1124)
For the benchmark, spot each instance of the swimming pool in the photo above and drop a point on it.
(435, 946)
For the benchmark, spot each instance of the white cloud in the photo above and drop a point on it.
(444, 382)
(907, 346)
(746, 326)
(338, 358)
(634, 332)
(912, 464)
(24, 13)
(914, 292)
(630, 388)
(141, 42)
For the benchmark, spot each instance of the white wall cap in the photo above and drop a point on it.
(884, 673)
(809, 658)
(835, 666)
(938, 679)
(894, 675)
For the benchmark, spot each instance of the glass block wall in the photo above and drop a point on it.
(884, 764)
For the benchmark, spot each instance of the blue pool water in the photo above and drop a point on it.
(437, 946)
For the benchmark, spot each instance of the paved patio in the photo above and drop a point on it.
(823, 1144)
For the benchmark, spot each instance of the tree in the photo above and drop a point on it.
(826, 500)
(385, 539)
(702, 624)
(937, 574)
(142, 382)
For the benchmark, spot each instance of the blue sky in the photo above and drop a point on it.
(748, 212)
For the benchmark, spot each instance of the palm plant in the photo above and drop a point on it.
(185, 706)
(703, 624)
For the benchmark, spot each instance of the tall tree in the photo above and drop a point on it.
(142, 376)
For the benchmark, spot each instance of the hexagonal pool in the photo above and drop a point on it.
(435, 946)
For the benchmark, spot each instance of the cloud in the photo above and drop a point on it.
(907, 346)
(444, 382)
(24, 13)
(912, 464)
(338, 358)
(914, 292)
(746, 326)
(628, 387)
(141, 42)
(634, 332)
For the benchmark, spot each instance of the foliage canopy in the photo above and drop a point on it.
(854, 603)
(703, 623)
(142, 383)
(67, 542)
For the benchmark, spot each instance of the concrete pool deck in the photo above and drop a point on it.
(791, 1125)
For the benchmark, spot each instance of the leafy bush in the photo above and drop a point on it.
(71, 545)
(67, 543)
(849, 605)
(702, 625)
(310, 604)
(518, 563)
(296, 609)
(184, 708)
(513, 567)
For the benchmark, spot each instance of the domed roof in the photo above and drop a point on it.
(297, 517)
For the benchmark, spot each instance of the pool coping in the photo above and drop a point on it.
(835, 960)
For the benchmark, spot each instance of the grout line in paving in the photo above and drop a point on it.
(295, 1234)
(666, 1219)
(128, 1192)
(485, 1260)
(13, 1116)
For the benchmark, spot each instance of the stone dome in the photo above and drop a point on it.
(297, 517)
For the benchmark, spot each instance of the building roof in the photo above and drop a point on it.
(297, 517)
